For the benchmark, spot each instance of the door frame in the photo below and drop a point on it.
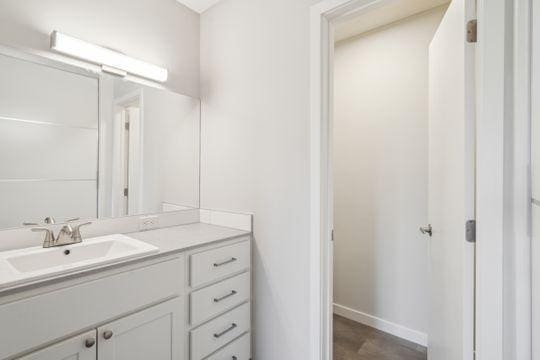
(136, 146)
(492, 107)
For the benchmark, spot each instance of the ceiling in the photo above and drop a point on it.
(199, 6)
(383, 15)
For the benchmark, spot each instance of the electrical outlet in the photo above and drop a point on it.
(148, 222)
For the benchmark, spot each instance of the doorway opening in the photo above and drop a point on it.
(127, 145)
(394, 117)
(380, 158)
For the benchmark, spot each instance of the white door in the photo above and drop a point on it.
(81, 347)
(451, 187)
(126, 161)
(126, 155)
(155, 333)
(119, 164)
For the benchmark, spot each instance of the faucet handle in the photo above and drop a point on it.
(49, 220)
(49, 236)
(76, 235)
(73, 219)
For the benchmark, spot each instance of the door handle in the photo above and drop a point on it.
(427, 230)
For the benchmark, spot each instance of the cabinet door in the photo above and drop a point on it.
(155, 333)
(81, 347)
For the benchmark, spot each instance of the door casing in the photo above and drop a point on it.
(492, 104)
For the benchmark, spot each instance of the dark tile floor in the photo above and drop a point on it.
(354, 341)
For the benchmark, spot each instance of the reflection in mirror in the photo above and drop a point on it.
(48, 143)
(149, 161)
(77, 145)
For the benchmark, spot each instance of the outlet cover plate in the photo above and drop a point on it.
(149, 222)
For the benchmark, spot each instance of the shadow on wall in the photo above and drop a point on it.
(266, 305)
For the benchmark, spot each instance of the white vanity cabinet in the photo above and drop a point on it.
(153, 333)
(220, 301)
(192, 304)
(44, 315)
(80, 347)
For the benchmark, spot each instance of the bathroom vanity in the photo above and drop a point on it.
(190, 299)
(150, 276)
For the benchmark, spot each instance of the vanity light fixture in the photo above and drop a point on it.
(109, 60)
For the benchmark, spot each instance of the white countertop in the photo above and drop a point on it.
(180, 238)
(168, 240)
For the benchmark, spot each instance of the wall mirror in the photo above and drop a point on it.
(77, 144)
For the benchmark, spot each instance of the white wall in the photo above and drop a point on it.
(381, 260)
(163, 32)
(535, 172)
(170, 172)
(255, 153)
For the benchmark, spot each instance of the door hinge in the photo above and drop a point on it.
(332, 235)
(126, 191)
(126, 125)
(470, 231)
(472, 31)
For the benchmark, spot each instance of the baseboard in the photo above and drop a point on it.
(400, 331)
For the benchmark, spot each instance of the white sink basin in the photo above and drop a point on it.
(35, 263)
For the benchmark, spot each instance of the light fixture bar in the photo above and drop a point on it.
(107, 58)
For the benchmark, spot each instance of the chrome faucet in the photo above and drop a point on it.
(49, 236)
(68, 235)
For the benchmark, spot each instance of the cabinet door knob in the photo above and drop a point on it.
(107, 334)
(89, 342)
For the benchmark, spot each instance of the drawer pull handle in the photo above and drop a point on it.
(234, 357)
(225, 296)
(107, 334)
(225, 262)
(217, 336)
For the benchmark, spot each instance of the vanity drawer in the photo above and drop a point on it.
(239, 349)
(217, 298)
(211, 336)
(214, 264)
